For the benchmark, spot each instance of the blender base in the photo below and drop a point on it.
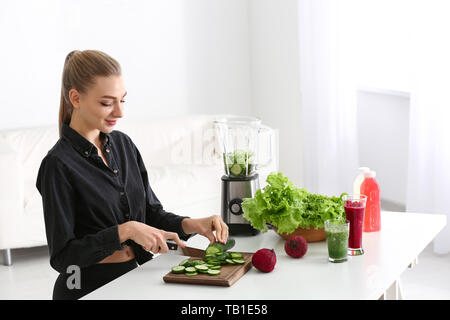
(242, 229)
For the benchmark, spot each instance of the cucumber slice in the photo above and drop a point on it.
(198, 262)
(215, 267)
(230, 261)
(220, 247)
(235, 169)
(189, 263)
(222, 256)
(178, 269)
(191, 273)
(184, 262)
(212, 250)
(213, 272)
(201, 267)
(236, 255)
(203, 271)
(190, 269)
(238, 261)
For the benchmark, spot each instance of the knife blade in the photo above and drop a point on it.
(175, 249)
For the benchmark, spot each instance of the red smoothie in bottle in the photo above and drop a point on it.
(370, 187)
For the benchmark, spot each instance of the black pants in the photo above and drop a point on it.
(91, 278)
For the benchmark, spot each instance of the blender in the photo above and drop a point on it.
(239, 139)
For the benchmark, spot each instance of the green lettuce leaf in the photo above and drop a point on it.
(287, 207)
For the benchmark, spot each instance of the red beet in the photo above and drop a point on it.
(264, 260)
(296, 246)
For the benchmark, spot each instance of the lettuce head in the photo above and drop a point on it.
(287, 207)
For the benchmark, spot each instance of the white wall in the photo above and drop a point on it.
(275, 78)
(39, 34)
(178, 57)
(383, 132)
(216, 36)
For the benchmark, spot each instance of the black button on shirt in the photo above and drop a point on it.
(85, 200)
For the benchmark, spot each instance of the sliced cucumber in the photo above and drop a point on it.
(212, 250)
(190, 269)
(213, 272)
(203, 271)
(215, 263)
(191, 273)
(230, 261)
(236, 255)
(198, 262)
(238, 261)
(207, 258)
(184, 262)
(178, 269)
(201, 267)
(235, 169)
(215, 267)
(220, 247)
(188, 263)
(222, 256)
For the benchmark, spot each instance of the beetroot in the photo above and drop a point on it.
(296, 246)
(264, 260)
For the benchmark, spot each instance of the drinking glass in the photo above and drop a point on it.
(336, 231)
(354, 206)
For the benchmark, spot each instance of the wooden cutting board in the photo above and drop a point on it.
(229, 274)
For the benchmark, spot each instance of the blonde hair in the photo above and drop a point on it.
(80, 70)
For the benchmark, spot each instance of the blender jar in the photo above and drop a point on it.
(239, 141)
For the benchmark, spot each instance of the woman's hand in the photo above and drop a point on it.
(206, 226)
(150, 238)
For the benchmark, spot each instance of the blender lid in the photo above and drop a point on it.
(239, 120)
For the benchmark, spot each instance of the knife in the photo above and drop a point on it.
(175, 249)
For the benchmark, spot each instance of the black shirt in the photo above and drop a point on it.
(84, 200)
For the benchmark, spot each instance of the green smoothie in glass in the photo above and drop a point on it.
(336, 232)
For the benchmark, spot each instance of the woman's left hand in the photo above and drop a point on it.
(206, 226)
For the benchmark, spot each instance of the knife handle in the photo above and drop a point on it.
(172, 245)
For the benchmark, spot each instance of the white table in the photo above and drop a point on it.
(373, 275)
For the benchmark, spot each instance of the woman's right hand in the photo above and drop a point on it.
(150, 238)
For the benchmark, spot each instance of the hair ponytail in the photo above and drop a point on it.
(65, 112)
(80, 70)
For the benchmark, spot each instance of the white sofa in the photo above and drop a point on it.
(181, 155)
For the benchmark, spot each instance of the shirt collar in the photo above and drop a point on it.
(80, 143)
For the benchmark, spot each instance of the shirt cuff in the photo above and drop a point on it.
(183, 236)
(111, 240)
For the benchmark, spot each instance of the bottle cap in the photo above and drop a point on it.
(363, 170)
(370, 174)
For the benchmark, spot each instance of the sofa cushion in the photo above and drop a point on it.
(174, 141)
(31, 146)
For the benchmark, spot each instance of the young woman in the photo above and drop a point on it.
(101, 215)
